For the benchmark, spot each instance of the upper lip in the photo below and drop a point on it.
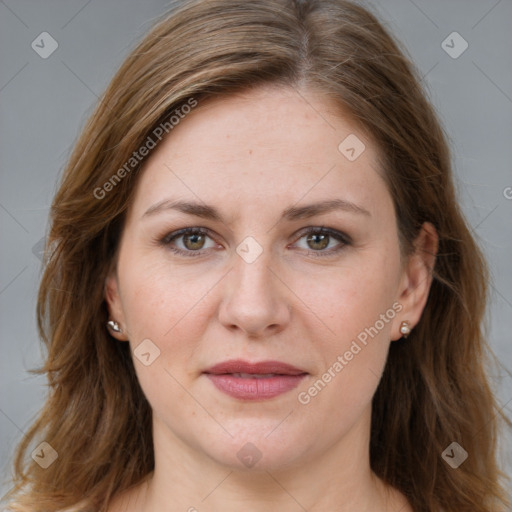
(262, 367)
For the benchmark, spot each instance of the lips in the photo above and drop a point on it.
(254, 381)
(262, 368)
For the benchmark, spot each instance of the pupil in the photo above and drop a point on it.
(196, 237)
(324, 240)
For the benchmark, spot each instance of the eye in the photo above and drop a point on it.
(193, 241)
(318, 239)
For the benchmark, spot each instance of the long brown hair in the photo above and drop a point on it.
(434, 390)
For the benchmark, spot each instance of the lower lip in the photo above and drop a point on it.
(255, 389)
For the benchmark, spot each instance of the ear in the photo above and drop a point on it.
(417, 278)
(114, 305)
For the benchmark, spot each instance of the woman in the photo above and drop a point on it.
(260, 292)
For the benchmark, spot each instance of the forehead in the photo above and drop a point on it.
(268, 143)
(272, 118)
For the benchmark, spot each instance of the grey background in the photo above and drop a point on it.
(45, 102)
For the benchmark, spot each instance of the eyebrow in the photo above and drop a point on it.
(292, 213)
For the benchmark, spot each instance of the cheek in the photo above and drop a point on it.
(351, 298)
(358, 308)
(164, 307)
(157, 294)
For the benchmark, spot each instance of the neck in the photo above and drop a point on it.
(338, 480)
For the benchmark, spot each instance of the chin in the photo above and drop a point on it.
(256, 448)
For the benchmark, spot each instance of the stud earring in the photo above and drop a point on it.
(405, 329)
(113, 326)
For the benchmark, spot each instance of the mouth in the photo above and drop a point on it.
(254, 381)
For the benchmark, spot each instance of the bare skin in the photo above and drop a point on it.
(252, 156)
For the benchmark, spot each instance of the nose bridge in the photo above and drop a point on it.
(254, 298)
(253, 269)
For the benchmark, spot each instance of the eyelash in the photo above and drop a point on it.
(341, 237)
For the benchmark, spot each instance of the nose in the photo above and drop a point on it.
(255, 298)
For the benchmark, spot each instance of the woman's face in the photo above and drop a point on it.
(258, 285)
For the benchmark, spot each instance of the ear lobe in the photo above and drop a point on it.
(417, 278)
(114, 306)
